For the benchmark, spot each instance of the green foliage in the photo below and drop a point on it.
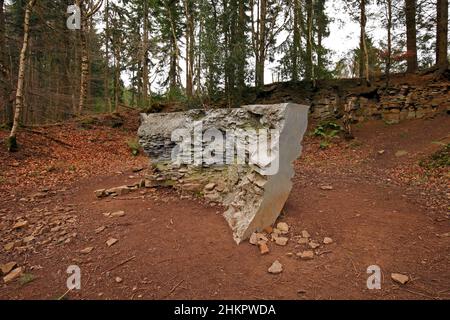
(134, 146)
(324, 145)
(327, 131)
(439, 159)
(26, 278)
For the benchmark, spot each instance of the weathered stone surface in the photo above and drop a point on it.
(400, 278)
(263, 247)
(253, 198)
(111, 242)
(276, 268)
(306, 255)
(13, 275)
(8, 267)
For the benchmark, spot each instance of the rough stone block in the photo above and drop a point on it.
(253, 191)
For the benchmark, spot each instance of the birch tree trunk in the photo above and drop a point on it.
(12, 141)
(84, 60)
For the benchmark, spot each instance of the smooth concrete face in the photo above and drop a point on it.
(254, 196)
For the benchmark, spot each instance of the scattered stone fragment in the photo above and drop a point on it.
(120, 191)
(283, 227)
(28, 239)
(381, 152)
(263, 248)
(276, 268)
(303, 241)
(327, 240)
(210, 186)
(9, 246)
(254, 239)
(101, 193)
(305, 234)
(100, 229)
(314, 245)
(138, 169)
(281, 241)
(107, 214)
(276, 231)
(327, 188)
(87, 250)
(117, 214)
(20, 225)
(289, 254)
(400, 278)
(13, 275)
(111, 242)
(7, 268)
(306, 255)
(118, 279)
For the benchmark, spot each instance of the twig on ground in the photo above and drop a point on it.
(122, 263)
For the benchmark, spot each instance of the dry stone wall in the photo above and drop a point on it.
(393, 105)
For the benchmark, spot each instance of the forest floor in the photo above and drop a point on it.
(380, 207)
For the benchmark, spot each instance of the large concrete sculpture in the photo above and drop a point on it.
(239, 158)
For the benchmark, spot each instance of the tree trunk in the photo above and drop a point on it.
(190, 44)
(5, 84)
(296, 41)
(389, 41)
(242, 47)
(12, 142)
(117, 78)
(309, 38)
(84, 60)
(442, 35)
(145, 49)
(107, 74)
(411, 35)
(261, 44)
(173, 70)
(364, 72)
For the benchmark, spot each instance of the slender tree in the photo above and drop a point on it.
(12, 141)
(442, 34)
(411, 35)
(364, 72)
(5, 84)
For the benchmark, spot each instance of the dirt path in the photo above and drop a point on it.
(377, 213)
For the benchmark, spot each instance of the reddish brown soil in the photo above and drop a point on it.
(383, 210)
